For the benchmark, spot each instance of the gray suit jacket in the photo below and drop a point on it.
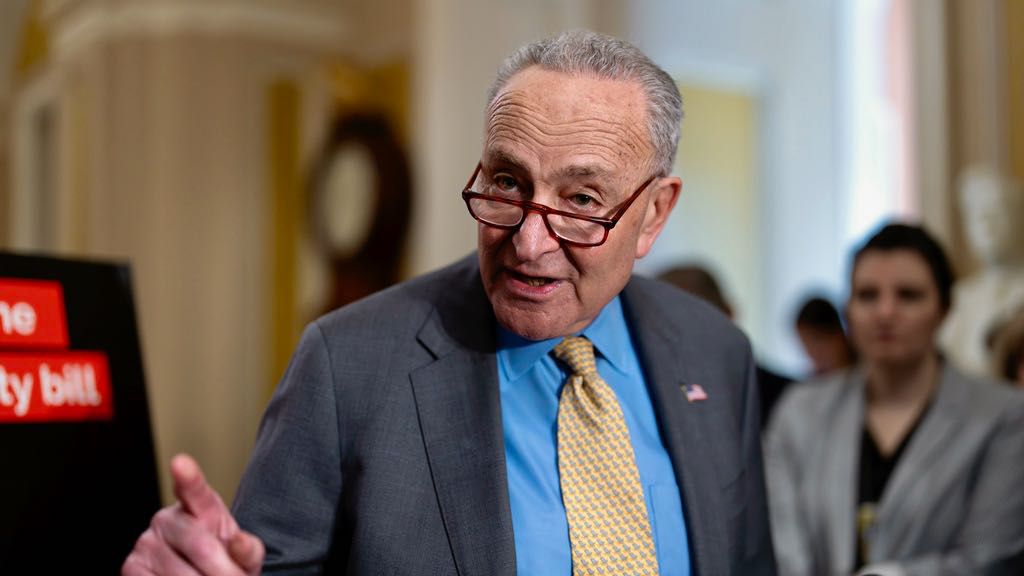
(381, 451)
(953, 505)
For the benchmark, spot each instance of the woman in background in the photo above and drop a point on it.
(901, 465)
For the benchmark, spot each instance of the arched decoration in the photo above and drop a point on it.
(360, 205)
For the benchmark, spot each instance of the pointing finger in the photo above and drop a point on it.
(195, 495)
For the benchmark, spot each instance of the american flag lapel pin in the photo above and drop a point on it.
(694, 392)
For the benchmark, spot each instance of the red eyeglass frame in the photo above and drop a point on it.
(528, 206)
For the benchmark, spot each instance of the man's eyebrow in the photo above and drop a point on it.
(570, 172)
(584, 171)
(503, 157)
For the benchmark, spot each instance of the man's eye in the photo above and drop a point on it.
(505, 182)
(583, 201)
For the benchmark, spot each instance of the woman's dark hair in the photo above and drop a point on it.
(898, 236)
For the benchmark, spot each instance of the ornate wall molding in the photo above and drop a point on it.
(83, 23)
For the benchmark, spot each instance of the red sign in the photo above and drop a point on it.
(52, 387)
(32, 314)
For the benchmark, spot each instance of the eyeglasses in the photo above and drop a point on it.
(572, 229)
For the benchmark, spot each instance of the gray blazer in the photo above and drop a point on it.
(381, 451)
(953, 505)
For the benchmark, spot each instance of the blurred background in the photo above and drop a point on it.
(258, 162)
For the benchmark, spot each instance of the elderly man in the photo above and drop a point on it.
(532, 409)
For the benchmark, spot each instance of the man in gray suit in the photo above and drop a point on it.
(427, 430)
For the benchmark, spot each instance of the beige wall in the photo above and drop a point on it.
(716, 220)
(929, 83)
(983, 116)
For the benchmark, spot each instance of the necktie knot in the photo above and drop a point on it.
(578, 353)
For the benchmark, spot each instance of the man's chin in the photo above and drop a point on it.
(532, 324)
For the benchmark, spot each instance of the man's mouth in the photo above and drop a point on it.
(532, 281)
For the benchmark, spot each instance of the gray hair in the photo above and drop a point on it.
(586, 52)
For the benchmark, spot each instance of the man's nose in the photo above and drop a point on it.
(533, 239)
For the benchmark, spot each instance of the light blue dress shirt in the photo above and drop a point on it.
(531, 382)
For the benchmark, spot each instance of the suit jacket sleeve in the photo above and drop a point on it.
(289, 492)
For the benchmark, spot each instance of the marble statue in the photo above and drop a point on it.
(993, 216)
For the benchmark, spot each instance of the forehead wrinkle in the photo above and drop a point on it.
(496, 132)
(521, 105)
(607, 139)
(502, 152)
(569, 136)
(610, 129)
(575, 170)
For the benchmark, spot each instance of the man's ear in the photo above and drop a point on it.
(663, 199)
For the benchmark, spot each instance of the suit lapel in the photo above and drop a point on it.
(459, 408)
(687, 429)
(838, 485)
(931, 441)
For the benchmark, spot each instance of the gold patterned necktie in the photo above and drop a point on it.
(604, 500)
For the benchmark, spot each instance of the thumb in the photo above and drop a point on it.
(247, 550)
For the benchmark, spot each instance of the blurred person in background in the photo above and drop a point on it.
(822, 336)
(700, 282)
(902, 466)
(1008, 350)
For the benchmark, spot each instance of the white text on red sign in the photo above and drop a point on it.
(32, 314)
(60, 386)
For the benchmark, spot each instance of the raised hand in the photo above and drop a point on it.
(196, 535)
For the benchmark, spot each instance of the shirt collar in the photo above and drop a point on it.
(608, 332)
